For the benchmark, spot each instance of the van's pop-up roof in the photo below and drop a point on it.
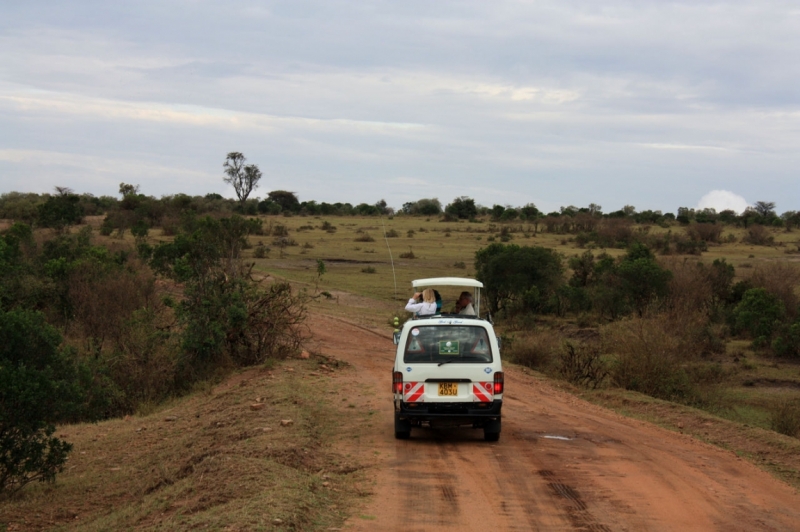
(454, 281)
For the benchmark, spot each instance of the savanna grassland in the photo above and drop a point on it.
(239, 446)
(733, 382)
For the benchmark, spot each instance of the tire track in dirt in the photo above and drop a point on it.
(560, 464)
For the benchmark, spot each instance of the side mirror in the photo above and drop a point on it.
(396, 337)
(499, 343)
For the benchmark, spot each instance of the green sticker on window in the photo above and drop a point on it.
(448, 347)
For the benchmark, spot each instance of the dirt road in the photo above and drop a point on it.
(560, 464)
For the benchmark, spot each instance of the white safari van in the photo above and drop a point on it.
(447, 369)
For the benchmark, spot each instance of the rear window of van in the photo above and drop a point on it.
(454, 343)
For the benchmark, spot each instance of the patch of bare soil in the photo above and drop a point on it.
(561, 463)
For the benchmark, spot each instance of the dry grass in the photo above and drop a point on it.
(210, 460)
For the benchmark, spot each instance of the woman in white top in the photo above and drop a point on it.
(428, 305)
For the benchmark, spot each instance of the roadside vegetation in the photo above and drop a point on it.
(120, 305)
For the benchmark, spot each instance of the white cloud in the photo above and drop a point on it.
(721, 200)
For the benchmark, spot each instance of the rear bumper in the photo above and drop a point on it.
(463, 412)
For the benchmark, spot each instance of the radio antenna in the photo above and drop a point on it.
(391, 259)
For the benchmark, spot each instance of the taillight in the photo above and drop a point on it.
(397, 382)
(498, 382)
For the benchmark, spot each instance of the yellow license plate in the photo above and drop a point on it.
(448, 388)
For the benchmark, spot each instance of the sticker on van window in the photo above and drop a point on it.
(415, 332)
(448, 347)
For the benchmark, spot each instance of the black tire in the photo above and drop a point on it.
(491, 431)
(402, 429)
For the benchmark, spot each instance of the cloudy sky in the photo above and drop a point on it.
(653, 104)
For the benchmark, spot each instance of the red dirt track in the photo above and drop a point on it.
(561, 463)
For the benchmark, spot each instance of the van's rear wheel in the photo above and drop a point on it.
(491, 431)
(402, 428)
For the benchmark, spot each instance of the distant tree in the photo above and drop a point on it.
(287, 200)
(383, 208)
(243, 178)
(766, 209)
(463, 208)
(509, 214)
(685, 215)
(728, 216)
(791, 219)
(497, 211)
(127, 190)
(595, 209)
(521, 277)
(61, 211)
(425, 207)
(530, 212)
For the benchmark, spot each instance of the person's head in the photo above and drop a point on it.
(465, 299)
(428, 296)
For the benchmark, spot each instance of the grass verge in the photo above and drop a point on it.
(224, 459)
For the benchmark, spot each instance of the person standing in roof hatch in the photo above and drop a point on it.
(425, 308)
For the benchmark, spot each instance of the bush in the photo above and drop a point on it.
(758, 313)
(38, 387)
(647, 358)
(784, 418)
(535, 350)
(364, 238)
(779, 279)
(705, 232)
(758, 235)
(582, 365)
(511, 272)
(787, 340)
(391, 233)
(368, 269)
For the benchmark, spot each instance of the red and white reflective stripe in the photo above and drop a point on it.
(482, 391)
(413, 391)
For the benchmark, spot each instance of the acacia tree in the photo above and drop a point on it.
(243, 178)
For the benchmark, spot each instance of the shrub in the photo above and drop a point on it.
(364, 238)
(647, 358)
(615, 232)
(261, 251)
(391, 233)
(510, 272)
(582, 365)
(535, 350)
(779, 279)
(785, 418)
(787, 340)
(757, 314)
(368, 269)
(408, 254)
(279, 230)
(460, 265)
(705, 232)
(38, 387)
(758, 235)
